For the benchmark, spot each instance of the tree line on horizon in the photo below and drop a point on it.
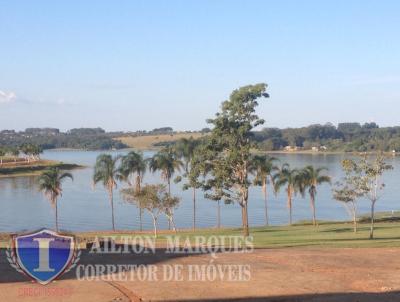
(346, 137)
(223, 166)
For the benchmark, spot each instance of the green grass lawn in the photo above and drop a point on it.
(327, 234)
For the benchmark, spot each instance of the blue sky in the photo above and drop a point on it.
(130, 65)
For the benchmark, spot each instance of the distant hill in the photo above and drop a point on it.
(144, 142)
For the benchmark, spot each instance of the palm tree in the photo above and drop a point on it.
(167, 162)
(185, 149)
(263, 166)
(312, 177)
(133, 164)
(105, 170)
(291, 179)
(50, 183)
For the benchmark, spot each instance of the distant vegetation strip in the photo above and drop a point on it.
(35, 167)
(345, 137)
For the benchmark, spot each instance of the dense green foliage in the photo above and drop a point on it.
(348, 137)
(46, 138)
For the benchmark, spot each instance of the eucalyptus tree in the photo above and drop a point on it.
(263, 167)
(155, 200)
(229, 145)
(131, 170)
(347, 193)
(107, 172)
(50, 183)
(366, 177)
(313, 177)
(291, 179)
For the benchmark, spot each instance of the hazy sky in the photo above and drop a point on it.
(129, 65)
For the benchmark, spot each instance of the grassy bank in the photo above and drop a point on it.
(326, 235)
(33, 168)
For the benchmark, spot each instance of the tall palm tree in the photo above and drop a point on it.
(50, 183)
(106, 171)
(168, 163)
(291, 179)
(263, 166)
(313, 177)
(133, 166)
(185, 149)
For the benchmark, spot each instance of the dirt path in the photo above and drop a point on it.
(297, 274)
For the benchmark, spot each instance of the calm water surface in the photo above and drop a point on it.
(83, 208)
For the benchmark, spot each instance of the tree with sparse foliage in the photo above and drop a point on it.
(365, 176)
(229, 145)
(154, 199)
(346, 192)
(50, 184)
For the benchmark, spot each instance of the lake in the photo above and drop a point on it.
(84, 208)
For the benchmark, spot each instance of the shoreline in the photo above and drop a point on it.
(34, 168)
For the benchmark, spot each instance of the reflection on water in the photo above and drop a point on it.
(83, 208)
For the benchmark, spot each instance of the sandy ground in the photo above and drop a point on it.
(292, 274)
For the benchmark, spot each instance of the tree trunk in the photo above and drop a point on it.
(219, 214)
(194, 208)
(112, 209)
(138, 189)
(265, 202)
(245, 220)
(140, 219)
(354, 222)
(56, 204)
(371, 233)
(312, 203)
(173, 222)
(154, 225)
(169, 193)
(289, 204)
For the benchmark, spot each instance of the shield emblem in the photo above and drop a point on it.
(44, 255)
